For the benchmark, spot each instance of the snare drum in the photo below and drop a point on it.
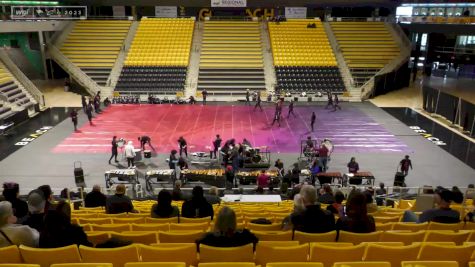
(147, 154)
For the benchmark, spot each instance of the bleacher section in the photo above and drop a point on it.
(366, 46)
(231, 59)
(93, 46)
(12, 92)
(303, 58)
(158, 58)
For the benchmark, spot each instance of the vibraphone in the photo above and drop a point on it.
(214, 177)
(124, 176)
(328, 177)
(162, 176)
(358, 178)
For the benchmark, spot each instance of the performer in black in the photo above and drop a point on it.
(182, 145)
(84, 103)
(145, 140)
(89, 112)
(277, 115)
(336, 103)
(330, 100)
(74, 119)
(192, 100)
(258, 101)
(291, 109)
(216, 145)
(114, 149)
(205, 94)
(312, 120)
(248, 95)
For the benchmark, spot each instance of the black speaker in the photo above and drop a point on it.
(79, 174)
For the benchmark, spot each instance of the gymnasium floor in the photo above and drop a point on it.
(49, 159)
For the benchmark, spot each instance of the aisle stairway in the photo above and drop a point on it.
(231, 59)
(12, 92)
(366, 46)
(94, 45)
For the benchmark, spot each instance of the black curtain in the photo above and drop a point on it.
(447, 106)
(429, 99)
(467, 115)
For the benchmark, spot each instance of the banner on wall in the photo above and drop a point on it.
(118, 11)
(296, 12)
(228, 3)
(48, 12)
(166, 11)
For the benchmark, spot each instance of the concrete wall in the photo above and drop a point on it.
(33, 26)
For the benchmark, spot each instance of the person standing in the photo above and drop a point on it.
(229, 175)
(84, 103)
(280, 167)
(145, 140)
(205, 94)
(258, 102)
(248, 95)
(276, 116)
(291, 109)
(130, 154)
(312, 120)
(336, 103)
(89, 112)
(114, 149)
(74, 119)
(330, 100)
(405, 164)
(216, 146)
(183, 146)
(353, 166)
(172, 160)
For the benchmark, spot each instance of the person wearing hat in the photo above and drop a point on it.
(119, 203)
(36, 209)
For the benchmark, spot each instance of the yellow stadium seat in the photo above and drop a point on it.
(155, 264)
(47, 256)
(18, 265)
(392, 254)
(355, 238)
(445, 226)
(117, 256)
(82, 265)
(111, 227)
(179, 237)
(98, 237)
(145, 238)
(362, 264)
(231, 254)
(429, 264)
(266, 254)
(195, 220)
(274, 235)
(10, 254)
(307, 238)
(189, 226)
(184, 252)
(161, 220)
(127, 220)
(150, 227)
(295, 264)
(331, 254)
(384, 226)
(410, 226)
(447, 236)
(264, 227)
(461, 254)
(227, 264)
(94, 220)
(406, 237)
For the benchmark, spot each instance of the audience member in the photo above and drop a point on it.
(380, 194)
(213, 196)
(48, 194)
(457, 195)
(336, 207)
(197, 206)
(442, 213)
(327, 196)
(313, 219)
(114, 242)
(226, 234)
(36, 209)
(370, 205)
(164, 208)
(95, 198)
(11, 192)
(177, 194)
(353, 166)
(263, 179)
(470, 192)
(14, 234)
(119, 203)
(58, 230)
(356, 219)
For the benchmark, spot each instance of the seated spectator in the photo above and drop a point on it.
(48, 194)
(470, 192)
(457, 194)
(213, 196)
(164, 208)
(336, 207)
(380, 194)
(59, 231)
(313, 219)
(36, 209)
(327, 196)
(177, 194)
(114, 242)
(441, 214)
(356, 219)
(119, 203)
(299, 207)
(95, 198)
(370, 205)
(226, 234)
(197, 206)
(14, 234)
(11, 192)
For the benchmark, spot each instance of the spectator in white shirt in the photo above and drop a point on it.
(130, 154)
(15, 234)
